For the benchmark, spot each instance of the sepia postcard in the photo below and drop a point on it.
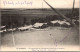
(39, 25)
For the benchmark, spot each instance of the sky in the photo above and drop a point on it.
(38, 3)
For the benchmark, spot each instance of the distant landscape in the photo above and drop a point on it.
(20, 14)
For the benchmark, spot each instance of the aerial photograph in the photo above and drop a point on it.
(45, 26)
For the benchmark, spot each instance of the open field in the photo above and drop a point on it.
(50, 37)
